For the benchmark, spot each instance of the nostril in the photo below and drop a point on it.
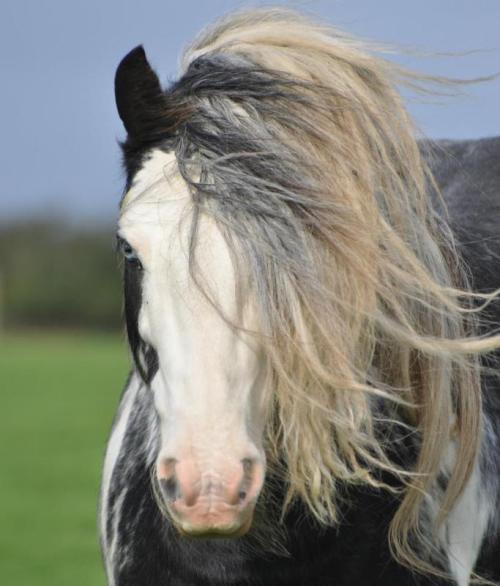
(248, 472)
(179, 481)
(167, 479)
(247, 465)
(170, 488)
(246, 483)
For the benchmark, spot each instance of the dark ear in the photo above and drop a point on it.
(139, 97)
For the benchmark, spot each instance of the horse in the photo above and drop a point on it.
(310, 298)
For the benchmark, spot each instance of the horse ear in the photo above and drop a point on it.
(138, 93)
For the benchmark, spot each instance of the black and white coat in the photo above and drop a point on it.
(141, 548)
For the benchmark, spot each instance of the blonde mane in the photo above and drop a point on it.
(294, 137)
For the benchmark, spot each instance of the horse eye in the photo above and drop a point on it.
(129, 254)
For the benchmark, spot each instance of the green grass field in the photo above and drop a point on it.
(58, 396)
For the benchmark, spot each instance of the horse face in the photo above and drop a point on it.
(208, 385)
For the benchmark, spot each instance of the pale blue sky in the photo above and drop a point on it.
(59, 128)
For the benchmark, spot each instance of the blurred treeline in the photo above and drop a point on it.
(54, 274)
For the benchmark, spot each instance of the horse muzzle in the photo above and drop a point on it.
(211, 501)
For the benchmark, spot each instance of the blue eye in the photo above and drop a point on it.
(129, 254)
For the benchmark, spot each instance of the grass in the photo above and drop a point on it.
(57, 400)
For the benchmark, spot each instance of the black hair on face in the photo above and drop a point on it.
(145, 356)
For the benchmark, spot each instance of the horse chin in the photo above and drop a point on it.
(214, 531)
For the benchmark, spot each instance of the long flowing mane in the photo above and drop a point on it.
(293, 136)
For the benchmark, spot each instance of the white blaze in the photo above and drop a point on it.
(207, 391)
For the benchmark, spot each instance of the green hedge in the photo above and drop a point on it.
(56, 275)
